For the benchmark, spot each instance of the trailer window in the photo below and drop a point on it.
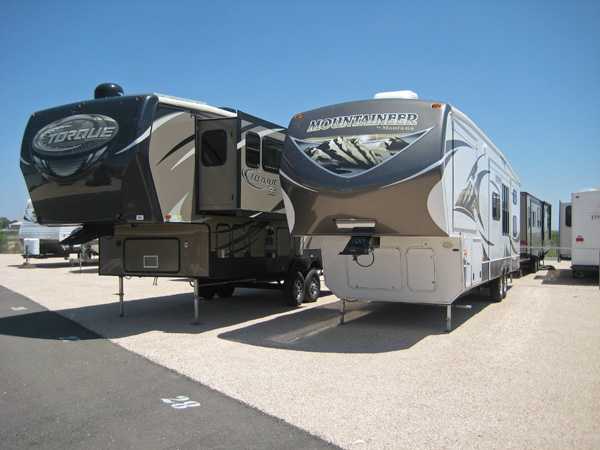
(505, 212)
(568, 216)
(514, 226)
(214, 148)
(514, 197)
(252, 150)
(271, 154)
(495, 206)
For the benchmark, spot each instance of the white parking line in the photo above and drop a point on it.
(18, 308)
(180, 402)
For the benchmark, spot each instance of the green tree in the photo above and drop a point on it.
(4, 223)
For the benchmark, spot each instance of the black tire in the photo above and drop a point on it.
(504, 282)
(207, 293)
(495, 287)
(225, 291)
(312, 286)
(294, 289)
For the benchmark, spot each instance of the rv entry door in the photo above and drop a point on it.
(216, 164)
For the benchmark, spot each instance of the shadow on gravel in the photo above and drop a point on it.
(565, 277)
(53, 265)
(168, 314)
(86, 270)
(369, 328)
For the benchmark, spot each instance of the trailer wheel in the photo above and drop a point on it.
(312, 286)
(207, 293)
(495, 287)
(294, 289)
(225, 291)
(504, 279)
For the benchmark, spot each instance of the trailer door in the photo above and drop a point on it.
(216, 164)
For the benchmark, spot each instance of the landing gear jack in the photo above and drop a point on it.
(342, 311)
(449, 315)
(196, 302)
(121, 295)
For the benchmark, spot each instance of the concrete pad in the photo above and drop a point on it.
(523, 373)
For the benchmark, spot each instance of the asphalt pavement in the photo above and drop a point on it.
(63, 386)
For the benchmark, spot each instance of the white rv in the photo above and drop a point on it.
(565, 230)
(585, 232)
(46, 240)
(409, 199)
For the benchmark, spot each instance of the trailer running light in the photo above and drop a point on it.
(436, 105)
(579, 238)
(168, 217)
(350, 224)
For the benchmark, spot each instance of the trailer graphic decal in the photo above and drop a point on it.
(84, 138)
(348, 156)
(363, 120)
(468, 199)
(259, 181)
(80, 133)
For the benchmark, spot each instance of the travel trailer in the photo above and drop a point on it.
(409, 200)
(173, 188)
(565, 230)
(40, 241)
(585, 232)
(536, 230)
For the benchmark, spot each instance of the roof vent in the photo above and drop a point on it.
(398, 94)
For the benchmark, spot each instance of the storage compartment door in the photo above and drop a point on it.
(217, 164)
(476, 260)
(151, 255)
(420, 264)
(380, 270)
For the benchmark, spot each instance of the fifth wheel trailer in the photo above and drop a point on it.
(585, 232)
(172, 187)
(536, 230)
(410, 201)
(48, 239)
(565, 229)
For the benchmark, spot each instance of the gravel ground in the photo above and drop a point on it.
(524, 373)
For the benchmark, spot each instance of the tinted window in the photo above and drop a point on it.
(271, 154)
(495, 206)
(514, 197)
(568, 216)
(514, 226)
(214, 147)
(505, 211)
(252, 150)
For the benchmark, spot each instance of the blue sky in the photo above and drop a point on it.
(527, 72)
